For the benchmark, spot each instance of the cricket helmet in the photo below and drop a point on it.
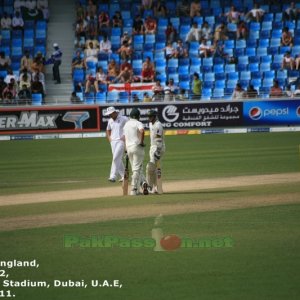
(135, 114)
(152, 113)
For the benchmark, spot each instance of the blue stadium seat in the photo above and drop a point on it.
(261, 51)
(245, 75)
(229, 68)
(220, 84)
(112, 96)
(250, 51)
(36, 99)
(233, 76)
(269, 74)
(256, 75)
(266, 59)
(265, 67)
(231, 83)
(206, 93)
(220, 76)
(253, 67)
(218, 68)
(256, 83)
(263, 43)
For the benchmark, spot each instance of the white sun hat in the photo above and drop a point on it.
(110, 110)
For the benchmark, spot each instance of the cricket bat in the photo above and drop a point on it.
(159, 179)
(126, 177)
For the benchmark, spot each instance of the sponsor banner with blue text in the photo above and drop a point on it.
(271, 113)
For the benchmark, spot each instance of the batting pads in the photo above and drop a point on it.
(151, 174)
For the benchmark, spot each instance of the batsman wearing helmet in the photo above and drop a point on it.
(157, 149)
(134, 140)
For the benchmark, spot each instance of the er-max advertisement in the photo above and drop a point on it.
(272, 113)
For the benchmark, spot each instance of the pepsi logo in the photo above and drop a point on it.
(255, 113)
(298, 111)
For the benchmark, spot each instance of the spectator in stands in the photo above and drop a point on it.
(238, 93)
(135, 98)
(126, 37)
(37, 63)
(287, 61)
(105, 45)
(117, 20)
(22, 74)
(171, 33)
(24, 95)
(74, 98)
(126, 64)
(291, 13)
(181, 96)
(195, 9)
(37, 87)
(173, 88)
(205, 31)
(183, 8)
(41, 77)
(30, 4)
(205, 50)
(148, 71)
(221, 33)
(170, 51)
(2, 87)
(125, 76)
(286, 37)
(18, 5)
(101, 78)
(196, 86)
(242, 30)
(92, 28)
(146, 5)
(91, 8)
(194, 33)
(146, 97)
(288, 92)
(5, 21)
(103, 20)
(125, 51)
(167, 93)
(150, 25)
(80, 31)
(138, 25)
(94, 41)
(10, 75)
(276, 90)
(77, 61)
(25, 80)
(26, 61)
(297, 91)
(181, 50)
(160, 9)
(91, 53)
(255, 14)
(90, 81)
(158, 92)
(17, 21)
(113, 70)
(251, 92)
(80, 11)
(44, 7)
(5, 61)
(9, 92)
(297, 62)
(233, 16)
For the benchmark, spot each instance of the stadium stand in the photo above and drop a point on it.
(255, 58)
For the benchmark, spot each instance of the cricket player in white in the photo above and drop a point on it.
(134, 138)
(157, 149)
(115, 136)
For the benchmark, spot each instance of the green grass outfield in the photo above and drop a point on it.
(263, 262)
(45, 165)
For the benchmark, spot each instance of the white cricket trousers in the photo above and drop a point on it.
(136, 156)
(117, 165)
